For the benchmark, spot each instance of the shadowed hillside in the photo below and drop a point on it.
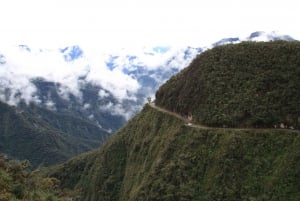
(242, 85)
(45, 137)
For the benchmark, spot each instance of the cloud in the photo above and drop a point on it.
(50, 105)
(14, 88)
(86, 106)
(119, 109)
(103, 94)
(125, 75)
(148, 57)
(23, 65)
(128, 74)
(117, 83)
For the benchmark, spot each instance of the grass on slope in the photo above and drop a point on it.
(157, 157)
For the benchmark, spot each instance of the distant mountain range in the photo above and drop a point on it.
(103, 89)
(45, 137)
(159, 156)
(107, 92)
(255, 36)
(106, 88)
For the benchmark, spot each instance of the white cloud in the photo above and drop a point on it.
(15, 87)
(103, 94)
(21, 66)
(118, 109)
(50, 105)
(119, 84)
(92, 117)
(102, 27)
(26, 63)
(86, 106)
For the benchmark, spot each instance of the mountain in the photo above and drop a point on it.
(49, 116)
(158, 156)
(88, 107)
(255, 36)
(255, 88)
(100, 91)
(44, 137)
(107, 87)
(272, 36)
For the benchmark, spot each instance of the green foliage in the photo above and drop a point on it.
(251, 84)
(17, 183)
(157, 157)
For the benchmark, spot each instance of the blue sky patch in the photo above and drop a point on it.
(72, 53)
(161, 49)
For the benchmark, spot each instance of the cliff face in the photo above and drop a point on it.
(156, 156)
(243, 85)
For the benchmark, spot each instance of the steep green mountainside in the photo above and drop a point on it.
(45, 137)
(251, 84)
(157, 157)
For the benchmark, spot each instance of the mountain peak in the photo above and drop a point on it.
(271, 36)
(246, 84)
(225, 41)
(128, 76)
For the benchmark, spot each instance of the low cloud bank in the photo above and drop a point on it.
(122, 73)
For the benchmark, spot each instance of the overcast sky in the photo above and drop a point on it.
(117, 24)
(122, 23)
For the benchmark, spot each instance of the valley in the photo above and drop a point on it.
(210, 135)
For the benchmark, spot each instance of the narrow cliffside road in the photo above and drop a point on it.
(178, 116)
(152, 104)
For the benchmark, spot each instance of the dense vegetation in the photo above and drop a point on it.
(45, 137)
(156, 157)
(251, 84)
(18, 183)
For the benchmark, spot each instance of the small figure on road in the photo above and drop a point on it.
(190, 119)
